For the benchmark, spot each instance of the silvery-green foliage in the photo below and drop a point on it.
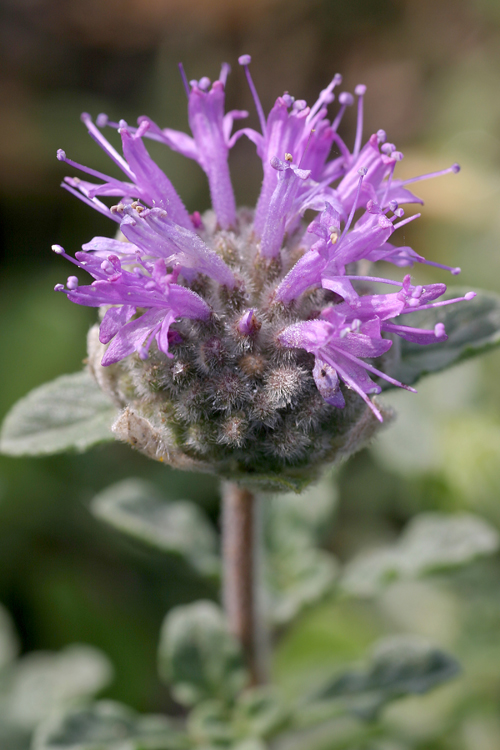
(198, 656)
(137, 508)
(431, 542)
(399, 665)
(37, 684)
(69, 413)
(297, 573)
(107, 725)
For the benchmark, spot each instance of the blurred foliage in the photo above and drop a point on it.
(432, 71)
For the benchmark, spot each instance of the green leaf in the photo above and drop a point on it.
(430, 542)
(399, 666)
(41, 682)
(107, 726)
(260, 712)
(137, 508)
(69, 413)
(297, 574)
(198, 656)
(472, 327)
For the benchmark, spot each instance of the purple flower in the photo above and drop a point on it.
(148, 286)
(259, 284)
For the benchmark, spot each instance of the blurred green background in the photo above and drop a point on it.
(432, 69)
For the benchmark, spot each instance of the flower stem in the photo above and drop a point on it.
(238, 550)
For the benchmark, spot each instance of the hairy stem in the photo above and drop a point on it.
(238, 548)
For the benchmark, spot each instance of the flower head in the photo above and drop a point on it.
(244, 342)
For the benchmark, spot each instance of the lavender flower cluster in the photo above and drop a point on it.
(233, 339)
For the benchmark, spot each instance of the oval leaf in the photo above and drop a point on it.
(400, 665)
(198, 656)
(42, 682)
(107, 725)
(69, 413)
(137, 508)
(430, 542)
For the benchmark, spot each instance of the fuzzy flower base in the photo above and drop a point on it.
(229, 403)
(249, 343)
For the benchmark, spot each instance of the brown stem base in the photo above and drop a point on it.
(238, 543)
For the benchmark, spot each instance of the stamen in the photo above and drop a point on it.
(184, 78)
(454, 271)
(467, 298)
(245, 61)
(362, 173)
(345, 100)
(61, 156)
(406, 221)
(355, 387)
(326, 96)
(93, 202)
(374, 370)
(360, 91)
(225, 69)
(106, 146)
(454, 169)
(306, 147)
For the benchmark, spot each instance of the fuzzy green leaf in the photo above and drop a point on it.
(42, 682)
(473, 327)
(137, 508)
(430, 542)
(297, 574)
(198, 656)
(399, 666)
(69, 413)
(107, 726)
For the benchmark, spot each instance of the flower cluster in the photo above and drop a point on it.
(235, 338)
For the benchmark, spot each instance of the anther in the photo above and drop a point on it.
(469, 296)
(288, 157)
(58, 249)
(59, 288)
(346, 99)
(102, 120)
(61, 155)
(360, 89)
(204, 83)
(439, 330)
(72, 282)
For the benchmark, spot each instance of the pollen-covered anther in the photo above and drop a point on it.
(138, 207)
(118, 209)
(288, 157)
